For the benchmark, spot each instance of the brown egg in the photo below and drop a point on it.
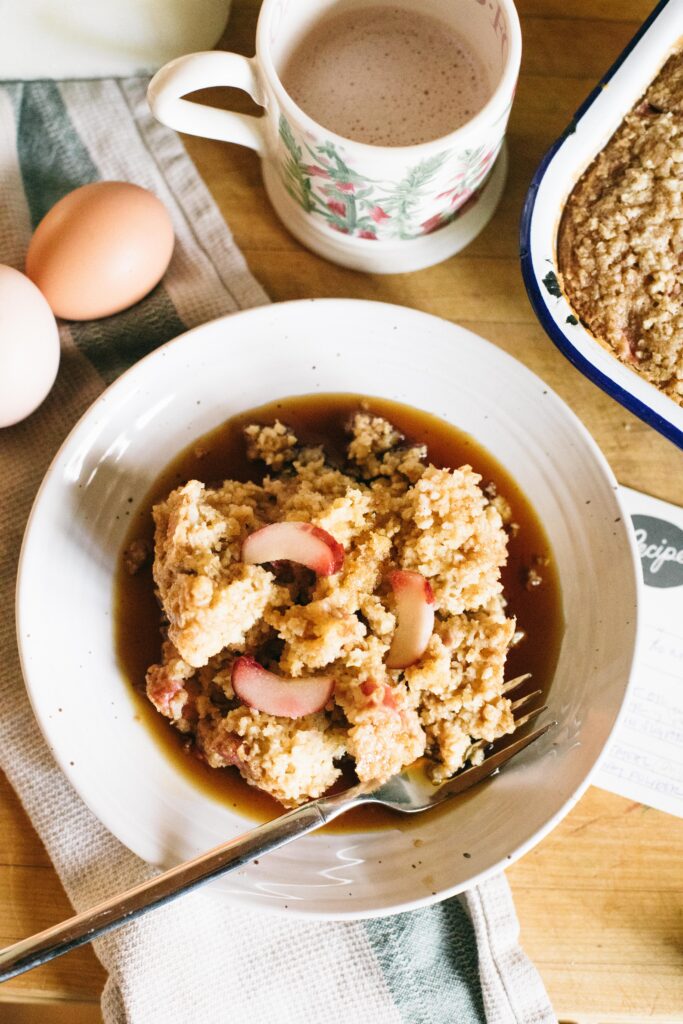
(100, 249)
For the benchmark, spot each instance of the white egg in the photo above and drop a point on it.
(29, 347)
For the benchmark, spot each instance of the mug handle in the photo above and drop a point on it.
(200, 71)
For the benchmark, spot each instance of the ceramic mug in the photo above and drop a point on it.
(374, 208)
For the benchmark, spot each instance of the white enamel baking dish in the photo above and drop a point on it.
(587, 133)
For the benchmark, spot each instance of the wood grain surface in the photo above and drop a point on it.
(601, 899)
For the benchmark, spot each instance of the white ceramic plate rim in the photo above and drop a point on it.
(62, 756)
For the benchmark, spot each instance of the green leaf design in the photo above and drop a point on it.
(296, 179)
(402, 199)
(320, 180)
(356, 200)
(552, 284)
(336, 167)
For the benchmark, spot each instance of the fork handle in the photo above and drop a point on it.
(125, 907)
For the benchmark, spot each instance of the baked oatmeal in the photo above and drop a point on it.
(621, 238)
(334, 611)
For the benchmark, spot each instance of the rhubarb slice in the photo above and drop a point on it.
(294, 542)
(415, 618)
(275, 695)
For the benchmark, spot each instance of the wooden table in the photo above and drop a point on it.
(601, 899)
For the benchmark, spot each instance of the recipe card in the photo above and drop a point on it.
(645, 758)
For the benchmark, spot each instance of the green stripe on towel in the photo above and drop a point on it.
(53, 161)
(429, 961)
(116, 342)
(52, 158)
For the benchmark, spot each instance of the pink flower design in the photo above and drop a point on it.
(432, 223)
(315, 171)
(456, 195)
(458, 198)
(469, 202)
(346, 186)
(337, 207)
(378, 214)
(340, 228)
(457, 182)
(368, 234)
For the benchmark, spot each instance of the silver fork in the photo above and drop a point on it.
(409, 792)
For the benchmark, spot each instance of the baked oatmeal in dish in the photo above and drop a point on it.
(335, 610)
(620, 246)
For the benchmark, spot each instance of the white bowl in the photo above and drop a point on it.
(587, 133)
(188, 387)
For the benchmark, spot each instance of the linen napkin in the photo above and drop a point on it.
(197, 960)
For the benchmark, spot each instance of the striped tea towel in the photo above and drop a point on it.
(194, 961)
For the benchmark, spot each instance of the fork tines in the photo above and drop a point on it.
(512, 684)
(496, 758)
(529, 717)
(522, 702)
(515, 706)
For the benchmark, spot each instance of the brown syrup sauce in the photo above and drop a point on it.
(320, 419)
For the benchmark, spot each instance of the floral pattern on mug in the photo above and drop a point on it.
(320, 180)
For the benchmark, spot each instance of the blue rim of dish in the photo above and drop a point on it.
(552, 329)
